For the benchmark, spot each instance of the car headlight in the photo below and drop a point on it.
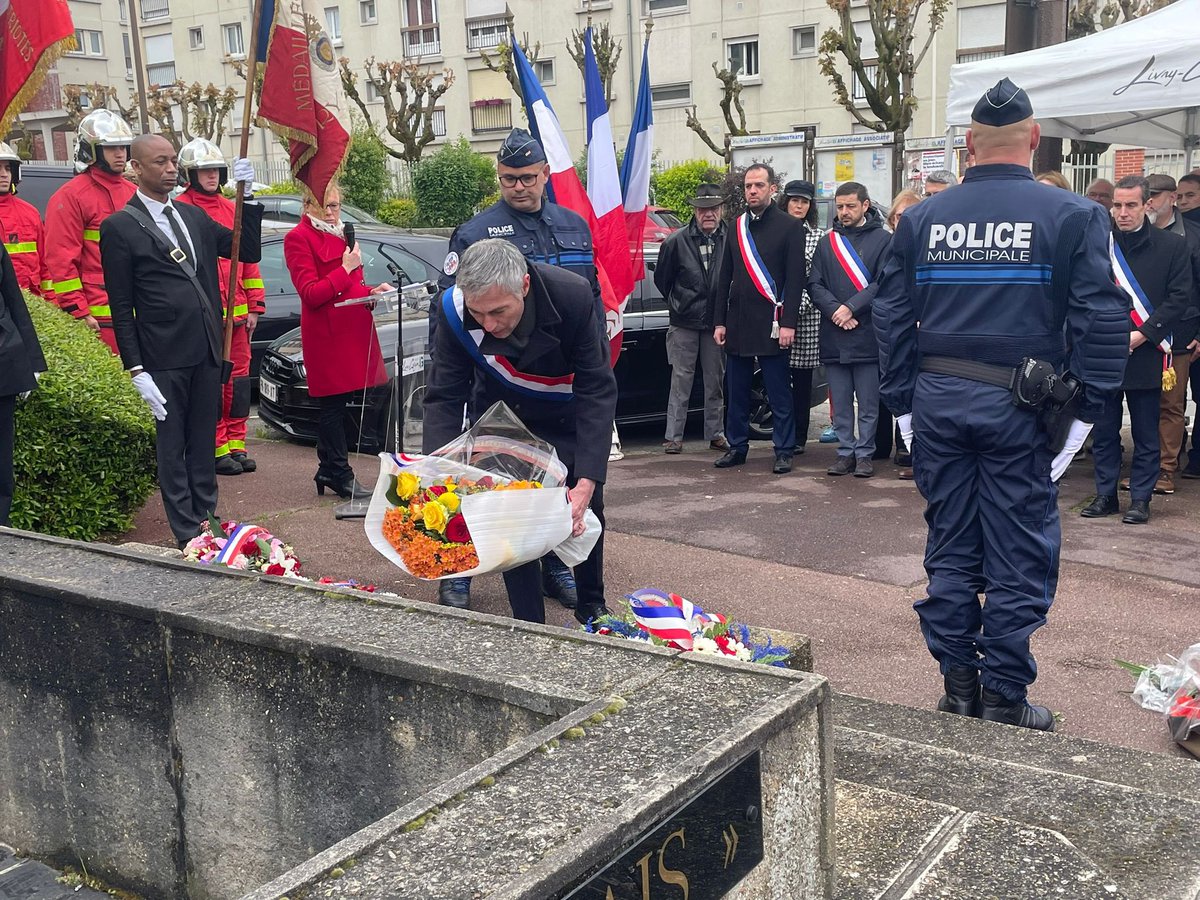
(300, 371)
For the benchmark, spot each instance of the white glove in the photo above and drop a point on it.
(151, 394)
(24, 395)
(1075, 438)
(243, 171)
(904, 423)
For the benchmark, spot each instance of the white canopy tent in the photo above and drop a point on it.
(1135, 84)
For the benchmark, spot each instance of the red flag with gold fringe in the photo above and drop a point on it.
(33, 34)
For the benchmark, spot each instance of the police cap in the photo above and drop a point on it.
(1003, 105)
(520, 149)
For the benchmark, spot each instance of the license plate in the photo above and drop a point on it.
(268, 389)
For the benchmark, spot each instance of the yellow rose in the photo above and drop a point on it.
(406, 485)
(435, 517)
(451, 501)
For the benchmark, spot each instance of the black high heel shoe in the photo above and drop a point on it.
(349, 489)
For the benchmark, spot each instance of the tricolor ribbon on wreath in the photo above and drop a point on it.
(757, 269)
(239, 538)
(1141, 309)
(670, 617)
(848, 259)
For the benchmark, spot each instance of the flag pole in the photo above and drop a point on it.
(239, 200)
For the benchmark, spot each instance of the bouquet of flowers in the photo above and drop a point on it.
(241, 546)
(1172, 688)
(668, 620)
(488, 501)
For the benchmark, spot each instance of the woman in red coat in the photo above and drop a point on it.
(341, 351)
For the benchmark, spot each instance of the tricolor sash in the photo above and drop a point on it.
(238, 541)
(556, 388)
(757, 269)
(848, 259)
(669, 616)
(1141, 309)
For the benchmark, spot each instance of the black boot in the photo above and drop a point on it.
(227, 465)
(1103, 505)
(732, 458)
(455, 592)
(1139, 513)
(997, 708)
(962, 692)
(248, 465)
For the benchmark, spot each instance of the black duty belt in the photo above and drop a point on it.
(1000, 376)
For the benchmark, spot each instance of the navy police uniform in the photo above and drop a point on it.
(996, 270)
(563, 340)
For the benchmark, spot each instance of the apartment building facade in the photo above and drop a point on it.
(773, 43)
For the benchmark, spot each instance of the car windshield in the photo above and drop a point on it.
(356, 215)
(668, 218)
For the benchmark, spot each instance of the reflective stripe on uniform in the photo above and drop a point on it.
(237, 446)
(100, 311)
(46, 285)
(223, 450)
(23, 247)
(91, 234)
(252, 283)
(240, 310)
(64, 287)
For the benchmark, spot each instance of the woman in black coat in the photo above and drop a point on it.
(21, 362)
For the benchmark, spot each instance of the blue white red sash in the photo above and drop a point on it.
(544, 387)
(852, 265)
(1141, 309)
(237, 542)
(669, 616)
(755, 267)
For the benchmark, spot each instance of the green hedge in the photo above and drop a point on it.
(677, 185)
(364, 177)
(449, 185)
(399, 211)
(84, 457)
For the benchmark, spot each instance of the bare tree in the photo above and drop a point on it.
(608, 53)
(888, 89)
(81, 99)
(1086, 17)
(409, 121)
(502, 59)
(731, 104)
(181, 111)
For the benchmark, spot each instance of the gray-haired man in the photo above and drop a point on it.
(938, 180)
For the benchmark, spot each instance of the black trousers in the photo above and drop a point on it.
(8, 406)
(524, 583)
(187, 475)
(802, 380)
(332, 452)
(887, 434)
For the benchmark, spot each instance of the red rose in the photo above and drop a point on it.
(487, 482)
(456, 530)
(437, 490)
(275, 569)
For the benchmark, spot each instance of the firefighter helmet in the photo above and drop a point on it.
(200, 154)
(9, 155)
(101, 128)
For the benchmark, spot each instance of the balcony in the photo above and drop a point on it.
(491, 115)
(483, 34)
(858, 92)
(155, 9)
(439, 123)
(421, 40)
(161, 74)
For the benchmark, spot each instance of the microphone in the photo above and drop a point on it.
(349, 232)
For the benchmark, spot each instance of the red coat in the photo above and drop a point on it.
(73, 219)
(251, 292)
(341, 351)
(25, 240)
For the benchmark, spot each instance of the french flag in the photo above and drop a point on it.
(635, 168)
(302, 99)
(567, 190)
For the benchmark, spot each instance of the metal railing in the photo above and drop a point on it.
(966, 56)
(483, 34)
(421, 40)
(161, 74)
(858, 92)
(489, 115)
(155, 9)
(439, 122)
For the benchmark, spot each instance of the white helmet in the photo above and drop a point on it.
(101, 128)
(9, 155)
(200, 154)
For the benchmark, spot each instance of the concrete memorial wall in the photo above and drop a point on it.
(195, 733)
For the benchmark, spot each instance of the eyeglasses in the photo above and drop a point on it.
(328, 207)
(527, 180)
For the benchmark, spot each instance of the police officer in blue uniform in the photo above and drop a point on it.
(544, 232)
(555, 376)
(1001, 333)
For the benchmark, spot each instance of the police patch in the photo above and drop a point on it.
(501, 231)
(450, 266)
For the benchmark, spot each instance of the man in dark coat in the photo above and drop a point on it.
(525, 334)
(686, 275)
(167, 322)
(1154, 268)
(842, 283)
(759, 288)
(21, 364)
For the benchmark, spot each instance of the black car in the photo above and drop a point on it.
(419, 257)
(286, 209)
(38, 183)
(643, 377)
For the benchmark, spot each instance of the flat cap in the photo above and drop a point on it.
(800, 188)
(1159, 182)
(1003, 105)
(520, 149)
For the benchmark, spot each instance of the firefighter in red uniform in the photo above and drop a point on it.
(204, 167)
(21, 229)
(73, 219)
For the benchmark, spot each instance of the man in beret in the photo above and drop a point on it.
(544, 232)
(1001, 273)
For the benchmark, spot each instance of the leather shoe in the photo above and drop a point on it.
(1165, 483)
(1102, 505)
(997, 708)
(843, 465)
(732, 458)
(718, 443)
(864, 468)
(783, 465)
(585, 614)
(1124, 484)
(347, 490)
(1138, 514)
(905, 474)
(673, 447)
(455, 592)
(227, 465)
(962, 692)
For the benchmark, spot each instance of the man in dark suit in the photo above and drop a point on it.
(21, 362)
(160, 268)
(525, 333)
